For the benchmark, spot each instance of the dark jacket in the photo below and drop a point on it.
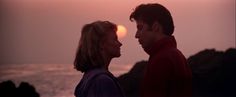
(167, 73)
(98, 83)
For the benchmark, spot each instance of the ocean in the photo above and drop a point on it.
(50, 80)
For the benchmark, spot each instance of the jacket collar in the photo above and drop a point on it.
(164, 43)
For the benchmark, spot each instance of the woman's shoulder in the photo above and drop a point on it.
(106, 85)
(104, 78)
(98, 76)
(98, 73)
(101, 82)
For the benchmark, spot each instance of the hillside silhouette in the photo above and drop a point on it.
(213, 74)
(9, 89)
(131, 80)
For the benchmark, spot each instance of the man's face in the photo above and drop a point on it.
(144, 34)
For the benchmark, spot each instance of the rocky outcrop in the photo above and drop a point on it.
(131, 80)
(214, 73)
(8, 89)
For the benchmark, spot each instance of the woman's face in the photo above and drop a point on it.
(111, 45)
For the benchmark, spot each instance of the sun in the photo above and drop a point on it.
(121, 31)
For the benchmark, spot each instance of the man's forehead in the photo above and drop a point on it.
(141, 23)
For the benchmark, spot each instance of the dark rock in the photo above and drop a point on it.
(26, 90)
(214, 73)
(130, 81)
(8, 89)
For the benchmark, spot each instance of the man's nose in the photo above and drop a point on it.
(120, 44)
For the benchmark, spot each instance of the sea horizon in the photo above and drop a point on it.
(51, 80)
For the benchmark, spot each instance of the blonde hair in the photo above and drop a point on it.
(88, 54)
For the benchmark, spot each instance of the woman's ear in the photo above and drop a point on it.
(103, 44)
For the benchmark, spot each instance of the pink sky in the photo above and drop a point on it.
(47, 31)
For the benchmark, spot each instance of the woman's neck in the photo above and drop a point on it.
(107, 61)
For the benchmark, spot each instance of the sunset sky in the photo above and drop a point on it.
(48, 31)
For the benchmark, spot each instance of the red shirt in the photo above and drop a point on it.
(167, 73)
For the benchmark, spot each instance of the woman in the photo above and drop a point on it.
(97, 46)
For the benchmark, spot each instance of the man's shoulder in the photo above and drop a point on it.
(169, 55)
(165, 53)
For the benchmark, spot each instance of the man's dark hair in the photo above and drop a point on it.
(154, 12)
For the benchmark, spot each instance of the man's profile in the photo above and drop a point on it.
(167, 73)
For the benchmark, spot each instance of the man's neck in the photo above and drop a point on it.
(160, 36)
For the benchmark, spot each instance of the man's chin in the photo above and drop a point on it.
(143, 46)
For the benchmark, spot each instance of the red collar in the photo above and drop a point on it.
(167, 42)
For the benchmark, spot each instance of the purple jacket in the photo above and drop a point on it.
(98, 83)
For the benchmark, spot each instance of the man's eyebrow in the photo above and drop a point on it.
(138, 26)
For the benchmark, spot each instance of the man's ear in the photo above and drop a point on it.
(156, 27)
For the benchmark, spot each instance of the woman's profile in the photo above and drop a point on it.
(97, 46)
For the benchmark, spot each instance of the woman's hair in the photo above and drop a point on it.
(154, 12)
(88, 55)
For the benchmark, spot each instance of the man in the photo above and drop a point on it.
(167, 73)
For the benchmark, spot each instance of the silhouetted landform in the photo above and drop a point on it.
(131, 80)
(214, 74)
(9, 89)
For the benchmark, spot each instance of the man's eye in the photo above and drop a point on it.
(139, 28)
